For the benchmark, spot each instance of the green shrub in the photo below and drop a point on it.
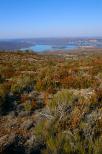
(19, 83)
(27, 106)
(60, 100)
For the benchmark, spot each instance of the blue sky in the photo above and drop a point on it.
(50, 18)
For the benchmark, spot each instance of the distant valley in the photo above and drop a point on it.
(50, 44)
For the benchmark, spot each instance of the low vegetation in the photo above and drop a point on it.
(51, 103)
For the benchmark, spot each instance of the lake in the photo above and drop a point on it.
(42, 48)
(49, 44)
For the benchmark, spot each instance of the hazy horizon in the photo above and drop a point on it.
(31, 38)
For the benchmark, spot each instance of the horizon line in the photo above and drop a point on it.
(57, 37)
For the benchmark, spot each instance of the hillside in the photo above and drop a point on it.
(51, 103)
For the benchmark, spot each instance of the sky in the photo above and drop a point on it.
(50, 18)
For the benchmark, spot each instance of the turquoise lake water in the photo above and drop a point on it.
(42, 48)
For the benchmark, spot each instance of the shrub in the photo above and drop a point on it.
(20, 84)
(60, 100)
(4, 91)
(27, 106)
